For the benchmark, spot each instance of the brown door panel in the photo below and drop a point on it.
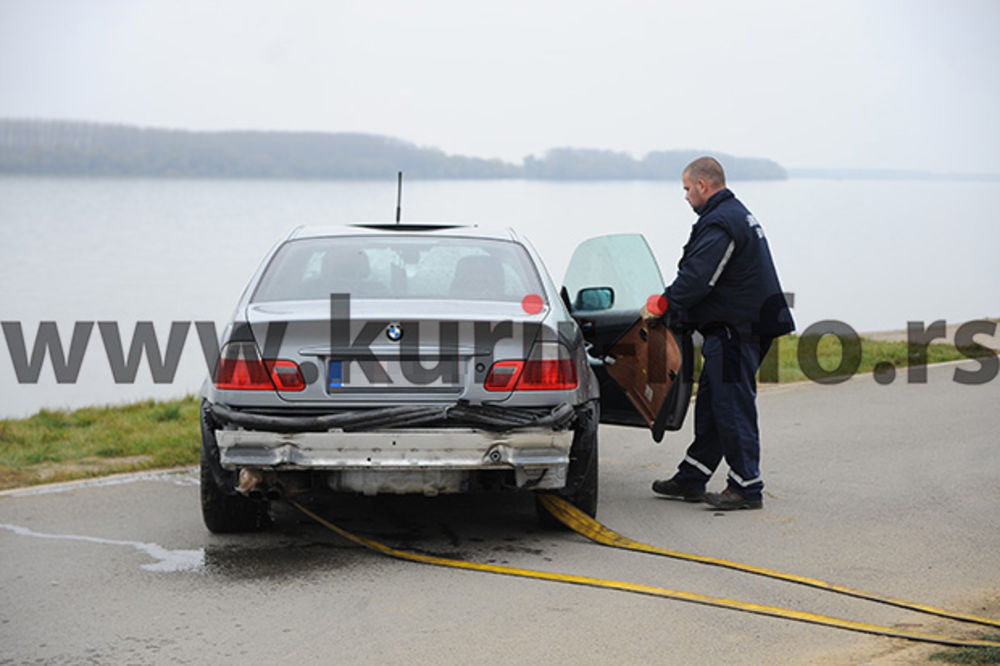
(648, 363)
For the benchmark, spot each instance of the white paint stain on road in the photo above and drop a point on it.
(166, 560)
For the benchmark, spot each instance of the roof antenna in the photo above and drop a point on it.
(399, 196)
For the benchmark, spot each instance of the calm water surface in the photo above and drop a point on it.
(874, 254)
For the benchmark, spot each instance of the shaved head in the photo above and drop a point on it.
(707, 169)
(702, 178)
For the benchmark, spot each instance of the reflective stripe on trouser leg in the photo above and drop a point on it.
(743, 483)
(701, 468)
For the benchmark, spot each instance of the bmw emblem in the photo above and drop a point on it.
(394, 332)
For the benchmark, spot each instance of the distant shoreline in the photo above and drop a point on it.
(72, 148)
(57, 148)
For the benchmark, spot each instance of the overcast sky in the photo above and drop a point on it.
(875, 84)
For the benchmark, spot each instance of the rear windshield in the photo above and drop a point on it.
(399, 267)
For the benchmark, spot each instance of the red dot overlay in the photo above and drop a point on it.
(656, 304)
(532, 304)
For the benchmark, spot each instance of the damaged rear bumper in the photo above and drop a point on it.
(436, 450)
(481, 416)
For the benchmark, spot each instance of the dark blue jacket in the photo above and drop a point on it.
(726, 275)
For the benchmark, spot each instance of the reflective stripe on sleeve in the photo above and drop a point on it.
(722, 264)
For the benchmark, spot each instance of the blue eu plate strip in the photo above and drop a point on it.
(336, 374)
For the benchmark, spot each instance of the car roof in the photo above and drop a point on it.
(419, 228)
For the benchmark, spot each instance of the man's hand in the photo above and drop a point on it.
(647, 316)
(654, 308)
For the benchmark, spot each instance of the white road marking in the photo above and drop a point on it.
(166, 560)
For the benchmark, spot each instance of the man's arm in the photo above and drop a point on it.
(701, 267)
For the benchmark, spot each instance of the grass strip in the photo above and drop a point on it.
(61, 445)
(831, 355)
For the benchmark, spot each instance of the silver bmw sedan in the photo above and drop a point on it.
(430, 359)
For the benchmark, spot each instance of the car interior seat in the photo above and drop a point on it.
(477, 277)
(348, 271)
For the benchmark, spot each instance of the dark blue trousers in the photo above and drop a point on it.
(725, 415)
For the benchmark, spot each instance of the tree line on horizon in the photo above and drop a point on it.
(70, 148)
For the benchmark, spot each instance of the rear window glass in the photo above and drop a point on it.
(399, 267)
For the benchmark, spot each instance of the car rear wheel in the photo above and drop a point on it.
(223, 510)
(581, 480)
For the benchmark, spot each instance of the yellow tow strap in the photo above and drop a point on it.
(586, 526)
(560, 508)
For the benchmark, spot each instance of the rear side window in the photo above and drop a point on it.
(399, 267)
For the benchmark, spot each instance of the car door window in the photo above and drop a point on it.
(623, 262)
(647, 379)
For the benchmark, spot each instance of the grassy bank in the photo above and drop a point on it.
(56, 445)
(869, 354)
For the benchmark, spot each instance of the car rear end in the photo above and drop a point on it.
(379, 360)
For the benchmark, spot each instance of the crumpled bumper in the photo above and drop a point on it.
(489, 417)
(428, 461)
(431, 459)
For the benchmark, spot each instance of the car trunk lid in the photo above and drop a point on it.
(355, 351)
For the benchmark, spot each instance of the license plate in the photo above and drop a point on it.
(389, 375)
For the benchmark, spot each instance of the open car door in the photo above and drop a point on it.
(645, 371)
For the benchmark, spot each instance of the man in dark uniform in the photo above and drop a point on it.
(726, 288)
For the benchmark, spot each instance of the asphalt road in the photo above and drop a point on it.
(890, 488)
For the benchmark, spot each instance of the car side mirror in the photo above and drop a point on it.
(592, 299)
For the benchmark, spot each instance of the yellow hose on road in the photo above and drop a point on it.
(636, 588)
(586, 526)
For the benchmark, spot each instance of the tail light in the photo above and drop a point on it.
(549, 368)
(503, 375)
(240, 368)
(286, 375)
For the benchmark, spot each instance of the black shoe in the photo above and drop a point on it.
(728, 500)
(673, 490)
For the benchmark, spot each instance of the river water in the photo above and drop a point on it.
(873, 254)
